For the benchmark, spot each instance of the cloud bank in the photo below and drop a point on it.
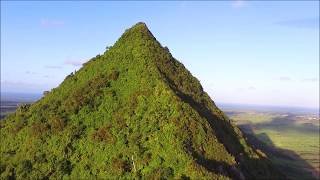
(312, 23)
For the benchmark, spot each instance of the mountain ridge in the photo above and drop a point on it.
(143, 115)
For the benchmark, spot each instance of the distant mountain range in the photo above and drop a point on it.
(302, 110)
(20, 97)
(32, 97)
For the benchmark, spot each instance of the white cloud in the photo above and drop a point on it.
(48, 23)
(237, 3)
(283, 78)
(53, 67)
(74, 62)
(310, 80)
(30, 72)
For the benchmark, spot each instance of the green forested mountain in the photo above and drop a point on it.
(133, 112)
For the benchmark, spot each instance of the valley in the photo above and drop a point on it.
(289, 138)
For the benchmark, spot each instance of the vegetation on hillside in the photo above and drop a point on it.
(133, 112)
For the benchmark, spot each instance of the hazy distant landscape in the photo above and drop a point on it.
(10, 101)
(290, 138)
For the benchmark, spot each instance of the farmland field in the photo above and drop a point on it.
(290, 139)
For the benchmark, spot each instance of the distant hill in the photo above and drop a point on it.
(266, 108)
(19, 97)
(132, 112)
(10, 101)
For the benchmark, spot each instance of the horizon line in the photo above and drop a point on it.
(218, 103)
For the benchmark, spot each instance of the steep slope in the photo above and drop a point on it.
(133, 112)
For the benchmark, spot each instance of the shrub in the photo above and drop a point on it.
(2, 168)
(24, 168)
(37, 129)
(147, 158)
(8, 173)
(162, 173)
(18, 125)
(40, 158)
(119, 119)
(121, 165)
(57, 124)
(86, 94)
(45, 93)
(69, 76)
(108, 47)
(76, 131)
(22, 108)
(65, 167)
(103, 134)
(184, 177)
(114, 75)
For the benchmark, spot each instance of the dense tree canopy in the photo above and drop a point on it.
(133, 112)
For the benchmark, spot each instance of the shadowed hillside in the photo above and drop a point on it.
(286, 160)
(289, 139)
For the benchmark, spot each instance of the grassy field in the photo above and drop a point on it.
(291, 140)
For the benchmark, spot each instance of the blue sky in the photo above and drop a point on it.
(248, 52)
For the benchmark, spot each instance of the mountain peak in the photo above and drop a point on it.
(141, 24)
(139, 27)
(134, 112)
(139, 31)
